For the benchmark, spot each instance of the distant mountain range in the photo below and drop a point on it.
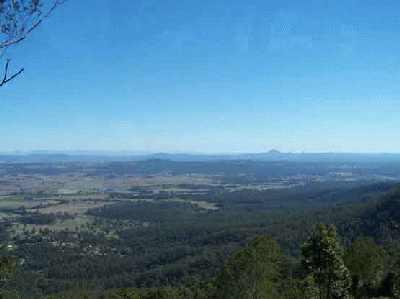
(273, 155)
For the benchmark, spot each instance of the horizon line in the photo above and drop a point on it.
(203, 153)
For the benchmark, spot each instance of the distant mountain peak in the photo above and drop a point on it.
(274, 152)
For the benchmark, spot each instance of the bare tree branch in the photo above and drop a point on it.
(6, 77)
(18, 19)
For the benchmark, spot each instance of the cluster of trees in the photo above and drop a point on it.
(151, 245)
(260, 270)
(326, 270)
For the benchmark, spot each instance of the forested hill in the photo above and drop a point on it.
(376, 217)
(382, 221)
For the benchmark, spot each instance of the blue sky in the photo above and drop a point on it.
(208, 76)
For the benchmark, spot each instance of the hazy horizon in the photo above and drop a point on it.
(182, 152)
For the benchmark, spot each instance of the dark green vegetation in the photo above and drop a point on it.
(154, 232)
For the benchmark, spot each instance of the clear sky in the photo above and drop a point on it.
(208, 76)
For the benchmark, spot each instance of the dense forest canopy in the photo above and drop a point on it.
(324, 239)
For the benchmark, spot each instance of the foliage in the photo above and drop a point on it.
(152, 247)
(366, 262)
(326, 275)
(253, 272)
(7, 267)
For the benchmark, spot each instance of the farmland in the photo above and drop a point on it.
(156, 221)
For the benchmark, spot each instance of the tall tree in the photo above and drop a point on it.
(391, 284)
(326, 274)
(19, 18)
(366, 262)
(252, 273)
(7, 270)
(7, 267)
